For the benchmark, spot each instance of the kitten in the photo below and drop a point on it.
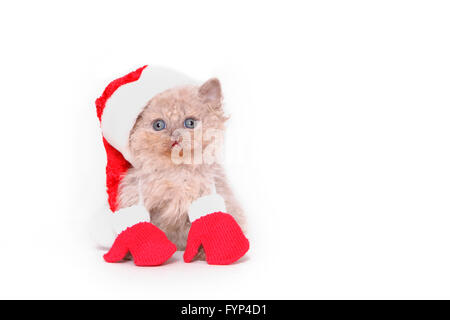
(167, 186)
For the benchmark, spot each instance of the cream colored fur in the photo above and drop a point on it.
(168, 189)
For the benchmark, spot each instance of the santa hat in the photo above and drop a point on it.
(118, 108)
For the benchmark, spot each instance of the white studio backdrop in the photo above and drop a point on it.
(338, 144)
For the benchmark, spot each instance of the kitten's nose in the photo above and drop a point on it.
(175, 136)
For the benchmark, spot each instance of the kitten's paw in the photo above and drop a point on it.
(201, 255)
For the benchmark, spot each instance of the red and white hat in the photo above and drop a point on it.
(118, 108)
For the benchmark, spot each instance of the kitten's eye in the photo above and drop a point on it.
(159, 125)
(190, 123)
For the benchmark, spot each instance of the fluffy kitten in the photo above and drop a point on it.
(169, 188)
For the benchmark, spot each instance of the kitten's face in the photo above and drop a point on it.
(175, 121)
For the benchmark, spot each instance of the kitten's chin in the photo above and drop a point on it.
(171, 157)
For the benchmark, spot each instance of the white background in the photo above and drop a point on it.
(338, 145)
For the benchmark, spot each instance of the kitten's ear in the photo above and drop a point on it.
(211, 91)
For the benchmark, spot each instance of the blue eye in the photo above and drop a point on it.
(190, 123)
(159, 125)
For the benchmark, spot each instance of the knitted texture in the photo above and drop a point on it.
(221, 237)
(147, 244)
(116, 166)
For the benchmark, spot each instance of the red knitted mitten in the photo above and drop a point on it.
(221, 237)
(147, 244)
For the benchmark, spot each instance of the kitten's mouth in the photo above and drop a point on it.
(174, 144)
